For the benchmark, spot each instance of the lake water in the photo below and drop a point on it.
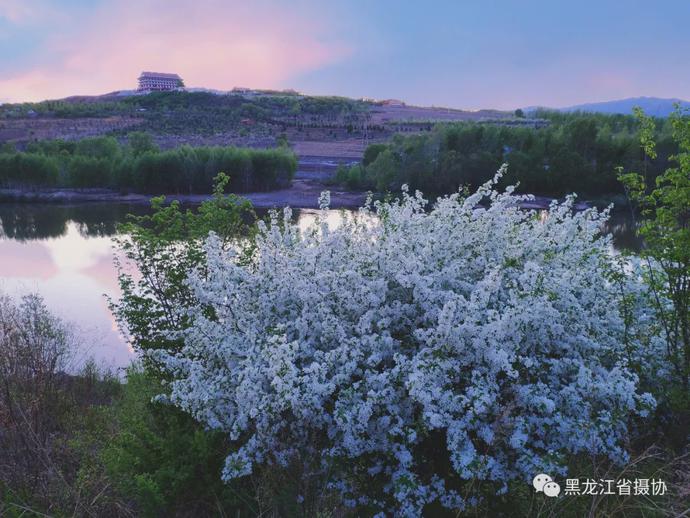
(65, 253)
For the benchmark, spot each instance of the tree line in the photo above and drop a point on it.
(138, 165)
(574, 153)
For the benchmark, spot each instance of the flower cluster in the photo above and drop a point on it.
(410, 351)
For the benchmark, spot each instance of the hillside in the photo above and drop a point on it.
(653, 106)
(329, 127)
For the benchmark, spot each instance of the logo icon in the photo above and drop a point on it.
(544, 483)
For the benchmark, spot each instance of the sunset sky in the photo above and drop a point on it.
(465, 54)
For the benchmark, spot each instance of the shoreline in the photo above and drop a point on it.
(303, 194)
(309, 182)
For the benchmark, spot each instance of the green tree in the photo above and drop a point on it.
(140, 142)
(372, 152)
(165, 247)
(384, 170)
(98, 147)
(665, 207)
(87, 171)
(573, 153)
(166, 461)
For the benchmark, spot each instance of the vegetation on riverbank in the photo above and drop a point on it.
(140, 166)
(113, 448)
(87, 444)
(431, 362)
(665, 207)
(574, 153)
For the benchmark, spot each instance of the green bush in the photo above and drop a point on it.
(141, 166)
(355, 177)
(164, 461)
(573, 153)
(141, 142)
(372, 152)
(98, 147)
(25, 169)
(86, 171)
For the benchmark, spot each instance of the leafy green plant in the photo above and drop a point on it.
(665, 228)
(164, 247)
(162, 457)
(163, 460)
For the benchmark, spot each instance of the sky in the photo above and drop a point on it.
(458, 53)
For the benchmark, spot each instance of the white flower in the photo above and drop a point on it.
(487, 333)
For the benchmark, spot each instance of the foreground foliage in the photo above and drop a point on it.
(402, 362)
(156, 254)
(41, 409)
(87, 444)
(665, 207)
(362, 379)
(159, 460)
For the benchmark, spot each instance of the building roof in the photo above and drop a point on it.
(158, 75)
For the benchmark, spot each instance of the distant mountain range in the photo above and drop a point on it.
(651, 105)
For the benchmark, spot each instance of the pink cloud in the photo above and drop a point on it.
(214, 44)
(16, 11)
(613, 81)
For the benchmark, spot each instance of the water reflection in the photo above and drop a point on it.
(622, 228)
(23, 222)
(73, 272)
(65, 253)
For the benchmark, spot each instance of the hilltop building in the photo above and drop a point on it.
(159, 81)
(393, 102)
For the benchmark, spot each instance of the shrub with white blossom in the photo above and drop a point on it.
(399, 358)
